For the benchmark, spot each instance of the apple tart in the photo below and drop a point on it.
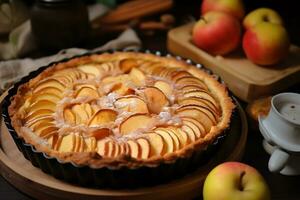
(120, 109)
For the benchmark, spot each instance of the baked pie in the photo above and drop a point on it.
(121, 109)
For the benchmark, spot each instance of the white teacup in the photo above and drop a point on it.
(281, 128)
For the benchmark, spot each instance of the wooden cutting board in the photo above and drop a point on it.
(32, 181)
(245, 79)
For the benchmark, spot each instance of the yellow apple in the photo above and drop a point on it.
(233, 7)
(266, 43)
(262, 15)
(235, 181)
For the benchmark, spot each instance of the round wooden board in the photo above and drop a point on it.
(32, 181)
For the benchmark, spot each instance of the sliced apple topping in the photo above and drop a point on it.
(190, 133)
(127, 64)
(87, 91)
(200, 114)
(38, 113)
(100, 133)
(165, 87)
(179, 74)
(43, 104)
(134, 123)
(102, 147)
(198, 124)
(200, 102)
(90, 144)
(69, 116)
(50, 82)
(51, 90)
(168, 140)
(103, 116)
(187, 80)
(66, 143)
(145, 148)
(201, 94)
(45, 96)
(134, 148)
(181, 135)
(155, 99)
(177, 144)
(92, 69)
(81, 116)
(131, 103)
(156, 143)
(137, 76)
(198, 132)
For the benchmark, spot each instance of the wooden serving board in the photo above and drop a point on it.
(32, 181)
(245, 79)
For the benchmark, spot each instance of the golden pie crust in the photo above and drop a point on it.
(121, 109)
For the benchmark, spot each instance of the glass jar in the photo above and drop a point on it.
(58, 24)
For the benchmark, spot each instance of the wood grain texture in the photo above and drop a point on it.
(245, 79)
(32, 181)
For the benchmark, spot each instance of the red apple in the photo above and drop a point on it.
(262, 15)
(266, 43)
(235, 181)
(232, 7)
(217, 33)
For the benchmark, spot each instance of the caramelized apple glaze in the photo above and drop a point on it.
(111, 109)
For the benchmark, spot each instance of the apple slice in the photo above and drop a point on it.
(165, 87)
(50, 82)
(137, 76)
(145, 148)
(131, 103)
(117, 150)
(188, 80)
(156, 143)
(69, 116)
(87, 92)
(79, 143)
(51, 90)
(88, 109)
(177, 144)
(38, 113)
(212, 116)
(101, 133)
(52, 141)
(155, 98)
(127, 64)
(181, 135)
(169, 141)
(45, 96)
(197, 114)
(110, 148)
(103, 116)
(190, 87)
(200, 102)
(167, 71)
(190, 133)
(193, 126)
(135, 122)
(90, 144)
(198, 124)
(92, 69)
(43, 104)
(67, 143)
(201, 94)
(134, 148)
(179, 74)
(81, 116)
(101, 146)
(37, 120)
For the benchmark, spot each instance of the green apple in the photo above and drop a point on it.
(233, 7)
(266, 43)
(262, 15)
(217, 33)
(235, 181)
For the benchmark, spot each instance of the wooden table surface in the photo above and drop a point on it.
(282, 187)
